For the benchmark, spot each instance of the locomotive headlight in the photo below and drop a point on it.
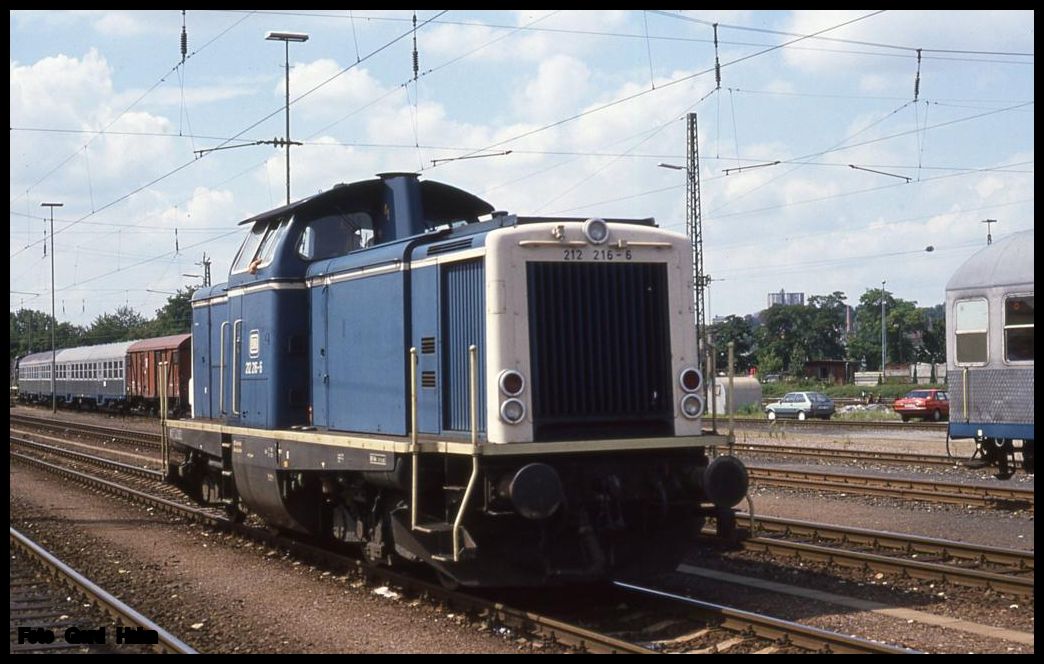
(692, 406)
(511, 382)
(690, 379)
(512, 411)
(596, 231)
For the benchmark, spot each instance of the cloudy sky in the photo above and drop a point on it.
(106, 119)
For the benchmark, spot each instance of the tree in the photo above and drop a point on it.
(738, 330)
(124, 325)
(934, 339)
(865, 342)
(175, 317)
(912, 334)
(825, 334)
(31, 333)
(783, 337)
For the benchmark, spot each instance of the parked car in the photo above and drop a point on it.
(801, 405)
(926, 404)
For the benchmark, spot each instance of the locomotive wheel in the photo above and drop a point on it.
(342, 525)
(210, 492)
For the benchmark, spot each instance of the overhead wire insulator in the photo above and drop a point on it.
(917, 80)
(184, 38)
(416, 60)
(717, 64)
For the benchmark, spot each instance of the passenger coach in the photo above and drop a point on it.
(990, 352)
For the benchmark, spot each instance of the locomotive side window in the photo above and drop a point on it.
(249, 247)
(271, 241)
(971, 331)
(335, 235)
(259, 246)
(1018, 328)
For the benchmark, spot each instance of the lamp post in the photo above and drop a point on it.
(286, 38)
(54, 321)
(884, 341)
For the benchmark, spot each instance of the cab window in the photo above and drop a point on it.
(259, 246)
(335, 235)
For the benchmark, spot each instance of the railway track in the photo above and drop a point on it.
(143, 438)
(833, 454)
(1003, 570)
(769, 628)
(45, 604)
(994, 496)
(804, 541)
(524, 621)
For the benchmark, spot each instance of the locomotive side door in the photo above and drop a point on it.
(232, 372)
(320, 355)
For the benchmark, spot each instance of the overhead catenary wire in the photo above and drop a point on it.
(134, 103)
(630, 154)
(631, 97)
(235, 137)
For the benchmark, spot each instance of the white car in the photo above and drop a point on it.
(801, 405)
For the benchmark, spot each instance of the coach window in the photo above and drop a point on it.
(971, 331)
(1018, 328)
(335, 235)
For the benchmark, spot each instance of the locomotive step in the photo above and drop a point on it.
(434, 527)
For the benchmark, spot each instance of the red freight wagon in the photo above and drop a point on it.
(143, 374)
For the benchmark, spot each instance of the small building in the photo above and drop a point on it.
(828, 371)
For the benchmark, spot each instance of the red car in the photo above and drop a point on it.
(926, 404)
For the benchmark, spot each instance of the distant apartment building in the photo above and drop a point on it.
(782, 297)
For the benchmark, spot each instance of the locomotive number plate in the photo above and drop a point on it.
(607, 254)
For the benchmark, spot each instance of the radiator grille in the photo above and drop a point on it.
(463, 324)
(600, 350)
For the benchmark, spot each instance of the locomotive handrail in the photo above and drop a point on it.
(964, 393)
(221, 372)
(473, 398)
(236, 326)
(413, 437)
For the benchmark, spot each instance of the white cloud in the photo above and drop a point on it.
(335, 98)
(121, 24)
(561, 84)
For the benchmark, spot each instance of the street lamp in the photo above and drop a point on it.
(883, 339)
(54, 321)
(286, 38)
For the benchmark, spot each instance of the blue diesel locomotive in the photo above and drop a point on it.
(509, 400)
(989, 350)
